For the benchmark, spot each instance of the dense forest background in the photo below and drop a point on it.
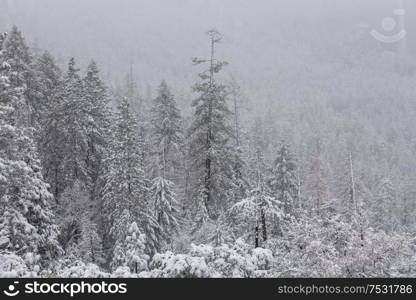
(286, 148)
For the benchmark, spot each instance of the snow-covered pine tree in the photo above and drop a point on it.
(166, 133)
(71, 128)
(316, 181)
(90, 245)
(72, 206)
(48, 77)
(16, 54)
(118, 256)
(385, 206)
(165, 208)
(238, 182)
(349, 191)
(346, 186)
(95, 101)
(130, 246)
(27, 223)
(210, 136)
(282, 179)
(135, 245)
(48, 80)
(260, 210)
(125, 188)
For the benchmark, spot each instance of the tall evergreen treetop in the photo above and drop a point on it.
(282, 179)
(166, 123)
(211, 135)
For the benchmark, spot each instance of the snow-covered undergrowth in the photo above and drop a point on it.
(380, 256)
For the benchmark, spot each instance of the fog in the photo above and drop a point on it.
(288, 56)
(159, 37)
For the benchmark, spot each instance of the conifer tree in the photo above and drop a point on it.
(69, 128)
(165, 208)
(346, 186)
(49, 138)
(166, 132)
(27, 224)
(95, 101)
(90, 246)
(282, 180)
(259, 212)
(135, 245)
(385, 206)
(71, 209)
(210, 136)
(48, 78)
(125, 190)
(16, 54)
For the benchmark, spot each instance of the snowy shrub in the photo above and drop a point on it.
(170, 265)
(13, 266)
(207, 261)
(379, 255)
(123, 272)
(82, 270)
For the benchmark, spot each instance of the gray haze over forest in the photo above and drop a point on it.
(261, 38)
(279, 52)
(302, 55)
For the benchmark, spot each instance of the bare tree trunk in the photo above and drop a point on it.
(263, 225)
(256, 237)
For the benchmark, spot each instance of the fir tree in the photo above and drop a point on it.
(16, 54)
(49, 138)
(166, 131)
(95, 103)
(48, 78)
(72, 207)
(165, 207)
(70, 123)
(346, 186)
(125, 188)
(282, 181)
(260, 210)
(136, 259)
(26, 220)
(90, 245)
(385, 206)
(210, 136)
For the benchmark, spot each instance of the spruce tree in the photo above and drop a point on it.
(68, 136)
(16, 54)
(49, 138)
(165, 208)
(282, 179)
(48, 78)
(125, 190)
(166, 132)
(90, 245)
(210, 136)
(385, 206)
(72, 207)
(259, 212)
(27, 224)
(95, 102)
(346, 186)
(135, 245)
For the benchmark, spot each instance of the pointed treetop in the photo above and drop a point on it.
(214, 35)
